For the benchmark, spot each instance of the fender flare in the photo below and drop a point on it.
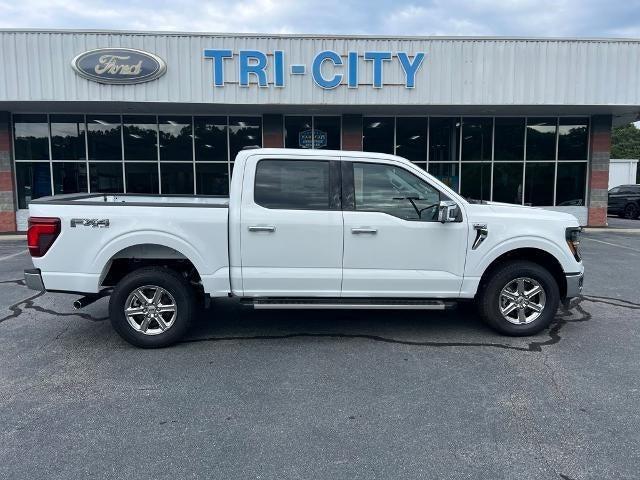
(152, 237)
(521, 242)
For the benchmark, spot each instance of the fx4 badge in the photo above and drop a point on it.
(90, 222)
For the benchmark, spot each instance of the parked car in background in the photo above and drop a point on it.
(624, 201)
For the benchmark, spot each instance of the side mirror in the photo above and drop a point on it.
(447, 211)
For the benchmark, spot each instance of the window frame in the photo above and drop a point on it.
(335, 183)
(348, 188)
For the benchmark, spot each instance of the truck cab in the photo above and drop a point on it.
(310, 229)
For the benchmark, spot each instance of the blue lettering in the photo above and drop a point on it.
(352, 72)
(321, 57)
(410, 68)
(377, 58)
(252, 62)
(278, 58)
(218, 57)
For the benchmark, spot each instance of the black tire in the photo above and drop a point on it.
(631, 211)
(176, 286)
(489, 297)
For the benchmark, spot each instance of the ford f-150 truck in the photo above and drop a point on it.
(305, 229)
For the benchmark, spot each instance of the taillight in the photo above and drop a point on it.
(42, 232)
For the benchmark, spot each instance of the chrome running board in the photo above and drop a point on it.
(347, 303)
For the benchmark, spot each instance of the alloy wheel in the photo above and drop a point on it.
(522, 300)
(150, 310)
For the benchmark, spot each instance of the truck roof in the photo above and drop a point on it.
(308, 152)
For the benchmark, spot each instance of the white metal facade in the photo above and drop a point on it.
(464, 71)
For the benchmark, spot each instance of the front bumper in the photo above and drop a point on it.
(574, 284)
(33, 279)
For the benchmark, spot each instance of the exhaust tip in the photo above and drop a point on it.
(77, 304)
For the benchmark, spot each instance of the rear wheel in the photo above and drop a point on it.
(152, 307)
(520, 298)
(630, 211)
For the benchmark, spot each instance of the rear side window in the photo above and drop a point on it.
(293, 184)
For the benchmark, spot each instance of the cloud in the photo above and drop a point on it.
(592, 18)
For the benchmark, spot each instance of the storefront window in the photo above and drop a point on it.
(103, 137)
(476, 138)
(411, 138)
(298, 132)
(33, 181)
(211, 139)
(140, 134)
(141, 177)
(31, 137)
(570, 187)
(378, 134)
(68, 137)
(327, 133)
(244, 132)
(507, 182)
(175, 138)
(106, 177)
(69, 177)
(538, 189)
(212, 179)
(444, 139)
(216, 141)
(509, 138)
(447, 173)
(541, 139)
(176, 178)
(476, 181)
(302, 131)
(573, 139)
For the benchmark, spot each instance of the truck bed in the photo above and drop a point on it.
(135, 199)
(95, 229)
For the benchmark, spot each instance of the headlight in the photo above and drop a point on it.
(573, 240)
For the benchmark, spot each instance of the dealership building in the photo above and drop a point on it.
(518, 120)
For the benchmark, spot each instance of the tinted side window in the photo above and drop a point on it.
(293, 184)
(395, 191)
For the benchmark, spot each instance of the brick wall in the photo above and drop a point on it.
(600, 148)
(272, 133)
(7, 202)
(352, 132)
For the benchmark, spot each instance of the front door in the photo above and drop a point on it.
(394, 245)
(291, 227)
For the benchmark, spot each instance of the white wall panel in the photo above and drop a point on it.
(36, 67)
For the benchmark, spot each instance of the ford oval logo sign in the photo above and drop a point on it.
(119, 66)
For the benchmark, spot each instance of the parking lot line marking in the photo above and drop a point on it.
(13, 255)
(612, 244)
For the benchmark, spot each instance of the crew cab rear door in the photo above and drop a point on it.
(291, 227)
(394, 245)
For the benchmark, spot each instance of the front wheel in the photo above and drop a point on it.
(630, 211)
(521, 298)
(152, 307)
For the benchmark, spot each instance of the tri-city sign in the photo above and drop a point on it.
(253, 66)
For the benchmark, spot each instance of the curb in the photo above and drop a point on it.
(12, 237)
(610, 230)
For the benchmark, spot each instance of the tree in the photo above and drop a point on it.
(625, 142)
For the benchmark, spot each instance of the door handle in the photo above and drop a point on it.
(359, 230)
(262, 228)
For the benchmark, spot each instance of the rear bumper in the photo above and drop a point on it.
(33, 279)
(574, 284)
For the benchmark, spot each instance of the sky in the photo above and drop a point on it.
(556, 18)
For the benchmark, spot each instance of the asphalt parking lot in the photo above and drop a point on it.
(353, 395)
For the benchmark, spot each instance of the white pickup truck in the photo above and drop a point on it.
(305, 229)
